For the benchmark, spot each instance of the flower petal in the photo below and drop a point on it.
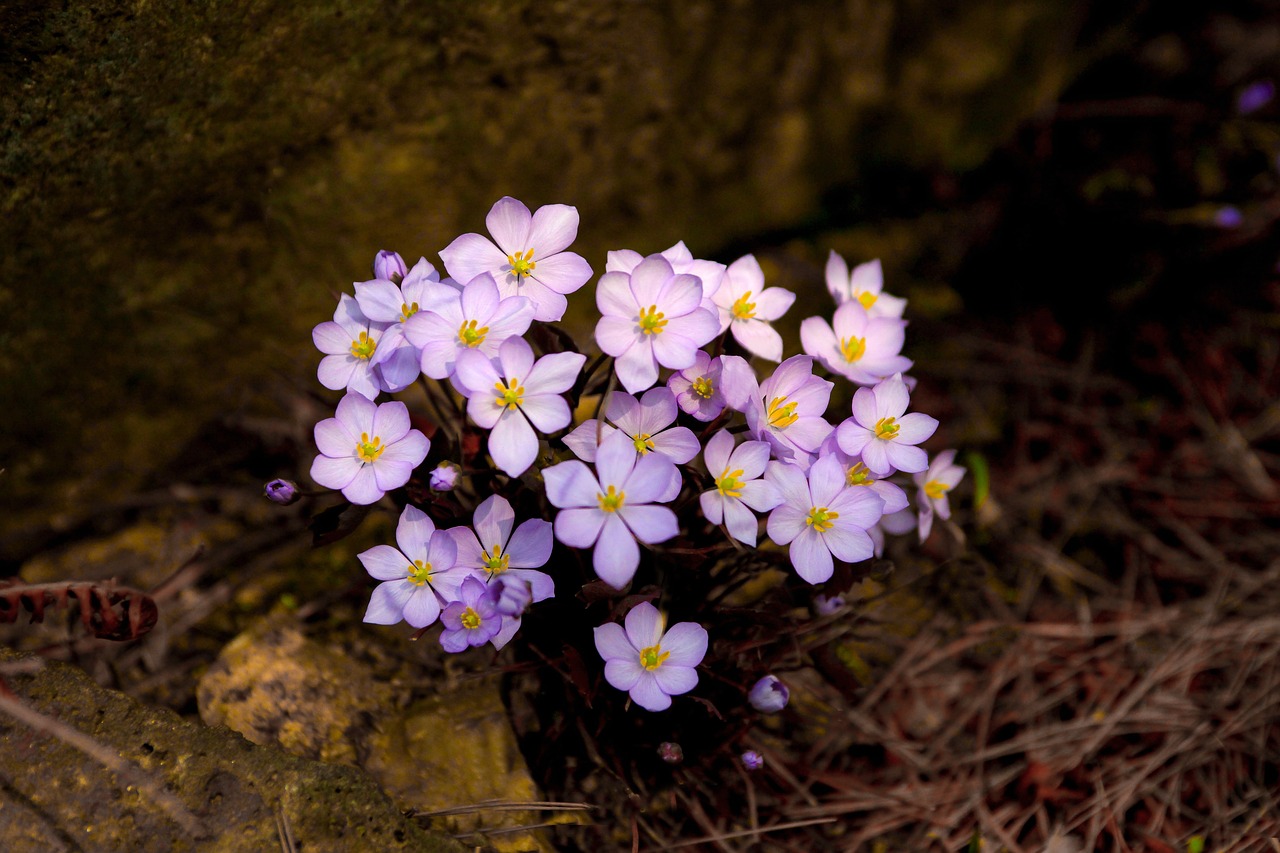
(673, 679)
(513, 444)
(616, 554)
(811, 558)
(644, 625)
(648, 695)
(579, 528)
(384, 563)
(530, 545)
(422, 608)
(650, 524)
(471, 254)
(612, 644)
(553, 229)
(386, 604)
(509, 222)
(334, 472)
(571, 484)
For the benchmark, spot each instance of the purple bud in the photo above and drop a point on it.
(390, 266)
(283, 492)
(1255, 96)
(752, 760)
(444, 477)
(826, 605)
(670, 752)
(512, 595)
(1228, 216)
(769, 696)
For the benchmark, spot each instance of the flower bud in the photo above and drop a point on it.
(752, 760)
(670, 752)
(390, 266)
(444, 477)
(512, 595)
(283, 492)
(1228, 217)
(769, 696)
(826, 605)
(1255, 96)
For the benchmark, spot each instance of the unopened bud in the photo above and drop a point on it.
(670, 752)
(512, 595)
(752, 760)
(283, 492)
(444, 477)
(769, 696)
(390, 266)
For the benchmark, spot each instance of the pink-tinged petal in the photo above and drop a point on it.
(548, 304)
(650, 524)
(379, 300)
(356, 413)
(509, 222)
(875, 456)
(579, 528)
(791, 483)
(818, 340)
(644, 624)
(712, 504)
(612, 644)
(678, 255)
(758, 339)
(563, 273)
(547, 412)
(399, 368)
(471, 254)
(422, 608)
(414, 532)
(636, 367)
(852, 438)
(826, 480)
(789, 376)
(480, 298)
(365, 382)
(485, 408)
(719, 452)
(649, 278)
(888, 306)
(582, 441)
(427, 327)
(678, 444)
(657, 410)
(494, 520)
(648, 481)
(865, 411)
(615, 458)
(925, 520)
(513, 316)
(624, 673)
(837, 277)
(334, 439)
(624, 412)
(850, 544)
(513, 444)
(617, 336)
(410, 450)
(614, 297)
(809, 433)
(331, 339)
(811, 558)
(892, 397)
(859, 508)
(571, 484)
(438, 359)
(554, 228)
(740, 522)
(541, 585)
(773, 302)
(674, 679)
(476, 373)
(760, 495)
(915, 427)
(335, 371)
(442, 551)
(388, 475)
(391, 421)
(442, 297)
(752, 457)
(616, 554)
(384, 563)
(648, 695)
(895, 499)
(622, 260)
(510, 625)
(530, 545)
(334, 472)
(363, 488)
(851, 320)
(671, 349)
(906, 458)
(680, 295)
(700, 326)
(470, 552)
(885, 337)
(554, 374)
(738, 383)
(812, 397)
(516, 358)
(386, 605)
(786, 523)
(867, 278)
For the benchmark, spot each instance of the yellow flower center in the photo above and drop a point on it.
(419, 573)
(858, 475)
(651, 320)
(781, 414)
(367, 450)
(612, 501)
(364, 347)
(887, 428)
(652, 657)
(704, 387)
(470, 619)
(469, 335)
(853, 348)
(867, 299)
(496, 561)
(522, 263)
(407, 311)
(730, 483)
(935, 489)
(744, 309)
(509, 393)
(643, 443)
(821, 519)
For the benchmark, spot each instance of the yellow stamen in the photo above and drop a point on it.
(853, 348)
(744, 309)
(643, 443)
(653, 657)
(730, 483)
(704, 387)
(821, 519)
(781, 416)
(522, 264)
(496, 561)
(887, 428)
(611, 502)
(858, 475)
(509, 393)
(407, 311)
(651, 320)
(867, 299)
(935, 489)
(364, 347)
(470, 336)
(470, 619)
(419, 573)
(367, 450)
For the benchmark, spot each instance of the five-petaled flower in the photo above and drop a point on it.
(863, 285)
(738, 488)
(417, 576)
(472, 619)
(697, 387)
(863, 348)
(648, 663)
(350, 344)
(366, 449)
(942, 476)
(785, 410)
(392, 303)
(746, 308)
(881, 434)
(648, 421)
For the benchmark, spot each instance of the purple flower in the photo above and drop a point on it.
(513, 596)
(477, 318)
(390, 304)
(942, 476)
(416, 576)
(472, 620)
(785, 410)
(614, 507)
(864, 286)
(746, 307)
(499, 549)
(367, 449)
(738, 490)
(821, 517)
(512, 394)
(648, 423)
(651, 665)
(650, 318)
(444, 477)
(881, 434)
(857, 474)
(752, 760)
(1255, 96)
(697, 388)
(529, 258)
(862, 348)
(349, 342)
(769, 695)
(389, 266)
(283, 492)
(1228, 217)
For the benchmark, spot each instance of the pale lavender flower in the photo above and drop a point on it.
(512, 394)
(746, 307)
(389, 266)
(349, 343)
(392, 303)
(613, 507)
(650, 318)
(652, 666)
(367, 449)
(477, 318)
(942, 476)
(881, 434)
(444, 477)
(283, 492)
(769, 695)
(820, 517)
(512, 595)
(739, 489)
(497, 548)
(857, 474)
(416, 576)
(864, 285)
(752, 760)
(697, 387)
(472, 620)
(529, 258)
(785, 410)
(1255, 96)
(647, 421)
(862, 348)
(682, 261)
(895, 523)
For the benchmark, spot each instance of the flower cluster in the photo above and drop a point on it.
(671, 418)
